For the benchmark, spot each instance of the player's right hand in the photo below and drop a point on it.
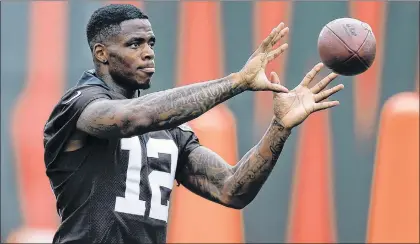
(291, 109)
(253, 72)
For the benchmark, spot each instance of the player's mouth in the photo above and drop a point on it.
(149, 70)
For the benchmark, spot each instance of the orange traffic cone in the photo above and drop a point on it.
(394, 206)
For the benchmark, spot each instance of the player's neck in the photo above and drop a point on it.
(109, 81)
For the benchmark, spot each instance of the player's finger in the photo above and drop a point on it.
(266, 43)
(283, 32)
(279, 29)
(311, 74)
(276, 87)
(325, 105)
(275, 53)
(324, 83)
(274, 78)
(327, 93)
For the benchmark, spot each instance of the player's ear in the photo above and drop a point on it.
(100, 53)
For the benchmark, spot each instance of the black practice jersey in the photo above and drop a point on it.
(111, 190)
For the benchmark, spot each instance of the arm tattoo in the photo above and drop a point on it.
(179, 105)
(209, 176)
(157, 111)
(253, 170)
(205, 174)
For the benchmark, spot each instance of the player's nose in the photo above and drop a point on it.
(148, 53)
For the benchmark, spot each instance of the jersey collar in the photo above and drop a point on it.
(89, 78)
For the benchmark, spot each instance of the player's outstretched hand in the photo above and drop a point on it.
(253, 72)
(294, 107)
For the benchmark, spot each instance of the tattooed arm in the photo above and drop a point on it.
(156, 111)
(209, 176)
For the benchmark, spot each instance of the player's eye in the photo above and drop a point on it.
(151, 44)
(134, 45)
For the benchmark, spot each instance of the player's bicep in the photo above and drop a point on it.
(205, 174)
(106, 118)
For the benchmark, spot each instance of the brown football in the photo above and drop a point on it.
(347, 46)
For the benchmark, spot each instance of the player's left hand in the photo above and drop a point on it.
(292, 108)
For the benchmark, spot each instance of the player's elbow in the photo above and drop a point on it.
(236, 202)
(237, 205)
(233, 198)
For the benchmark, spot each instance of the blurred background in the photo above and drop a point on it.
(350, 174)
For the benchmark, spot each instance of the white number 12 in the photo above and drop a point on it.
(131, 203)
